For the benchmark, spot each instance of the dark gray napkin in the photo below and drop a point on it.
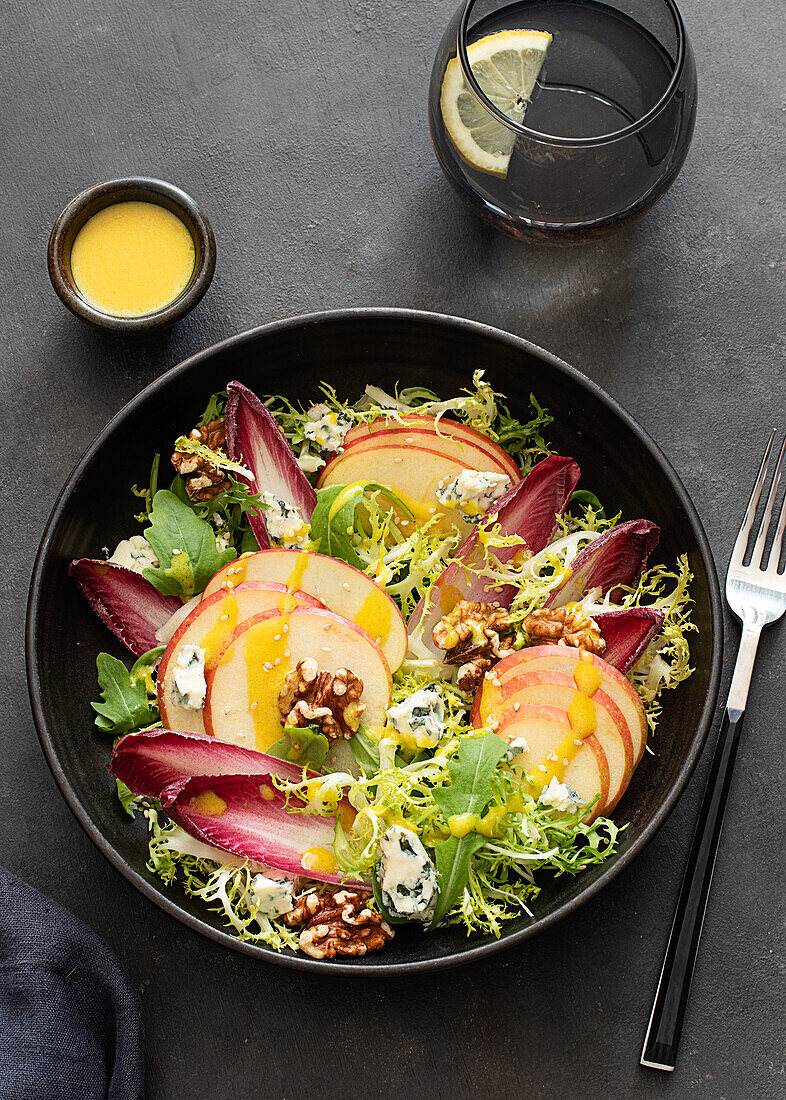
(70, 1022)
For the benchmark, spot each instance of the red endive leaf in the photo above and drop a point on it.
(149, 762)
(247, 816)
(255, 440)
(614, 558)
(627, 633)
(129, 605)
(530, 510)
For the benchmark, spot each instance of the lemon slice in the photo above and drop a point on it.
(506, 66)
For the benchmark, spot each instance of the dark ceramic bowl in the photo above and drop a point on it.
(348, 348)
(139, 189)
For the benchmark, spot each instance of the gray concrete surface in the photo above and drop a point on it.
(301, 130)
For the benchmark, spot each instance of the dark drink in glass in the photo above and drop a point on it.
(602, 134)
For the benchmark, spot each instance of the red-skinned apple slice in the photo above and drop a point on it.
(563, 659)
(340, 587)
(530, 510)
(544, 728)
(243, 686)
(414, 473)
(419, 430)
(558, 689)
(210, 626)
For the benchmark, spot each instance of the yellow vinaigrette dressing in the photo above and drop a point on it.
(132, 258)
(583, 723)
(268, 655)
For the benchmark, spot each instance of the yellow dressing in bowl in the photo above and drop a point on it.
(132, 258)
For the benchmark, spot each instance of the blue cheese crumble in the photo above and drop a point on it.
(406, 875)
(515, 748)
(272, 897)
(284, 523)
(326, 428)
(188, 688)
(135, 554)
(473, 492)
(420, 717)
(560, 797)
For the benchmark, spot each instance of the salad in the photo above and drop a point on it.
(391, 665)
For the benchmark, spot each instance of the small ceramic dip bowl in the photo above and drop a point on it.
(134, 189)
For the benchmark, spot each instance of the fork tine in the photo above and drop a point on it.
(750, 512)
(758, 555)
(778, 541)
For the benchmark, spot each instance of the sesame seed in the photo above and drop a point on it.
(230, 585)
(227, 709)
(410, 439)
(405, 523)
(398, 459)
(224, 618)
(230, 572)
(276, 637)
(176, 551)
(431, 511)
(277, 661)
(345, 586)
(565, 761)
(285, 628)
(287, 652)
(267, 665)
(493, 724)
(541, 767)
(577, 741)
(379, 640)
(326, 649)
(517, 706)
(223, 585)
(328, 626)
(254, 706)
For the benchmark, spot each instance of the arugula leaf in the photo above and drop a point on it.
(469, 793)
(216, 407)
(301, 745)
(333, 534)
(128, 800)
(587, 499)
(185, 547)
(366, 752)
(126, 705)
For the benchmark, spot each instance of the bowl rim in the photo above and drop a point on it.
(468, 954)
(142, 188)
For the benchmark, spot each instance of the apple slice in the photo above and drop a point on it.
(558, 689)
(340, 587)
(424, 431)
(210, 626)
(414, 473)
(563, 659)
(544, 728)
(244, 685)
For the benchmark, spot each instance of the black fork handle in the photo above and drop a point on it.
(671, 998)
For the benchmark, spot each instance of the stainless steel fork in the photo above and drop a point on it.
(756, 593)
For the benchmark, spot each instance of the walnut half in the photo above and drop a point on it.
(329, 700)
(475, 636)
(338, 923)
(203, 481)
(560, 626)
